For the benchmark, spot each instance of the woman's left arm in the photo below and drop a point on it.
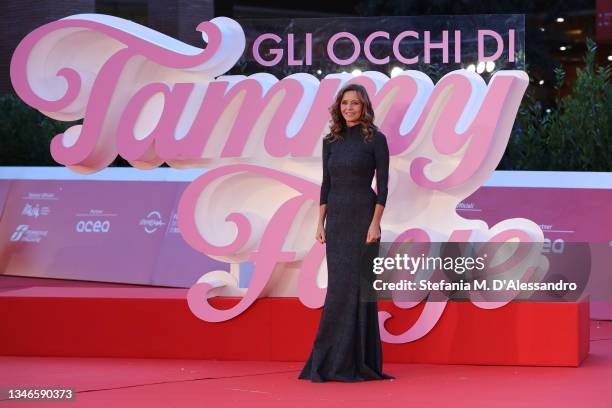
(381, 154)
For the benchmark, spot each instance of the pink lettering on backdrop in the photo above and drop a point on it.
(481, 48)
(152, 99)
(278, 54)
(262, 45)
(396, 51)
(355, 44)
(511, 45)
(457, 46)
(368, 44)
(429, 45)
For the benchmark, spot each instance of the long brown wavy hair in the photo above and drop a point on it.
(337, 123)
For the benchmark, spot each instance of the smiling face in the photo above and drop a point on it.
(351, 108)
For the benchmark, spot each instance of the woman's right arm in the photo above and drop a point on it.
(325, 185)
(321, 227)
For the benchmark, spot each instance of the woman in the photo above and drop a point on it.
(347, 346)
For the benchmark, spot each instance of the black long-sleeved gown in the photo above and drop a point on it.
(347, 346)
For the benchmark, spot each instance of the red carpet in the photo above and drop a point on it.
(110, 382)
(139, 382)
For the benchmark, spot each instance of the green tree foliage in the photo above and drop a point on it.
(25, 134)
(575, 135)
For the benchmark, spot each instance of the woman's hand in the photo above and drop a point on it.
(320, 234)
(373, 234)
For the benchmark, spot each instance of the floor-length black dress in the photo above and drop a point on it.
(347, 346)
